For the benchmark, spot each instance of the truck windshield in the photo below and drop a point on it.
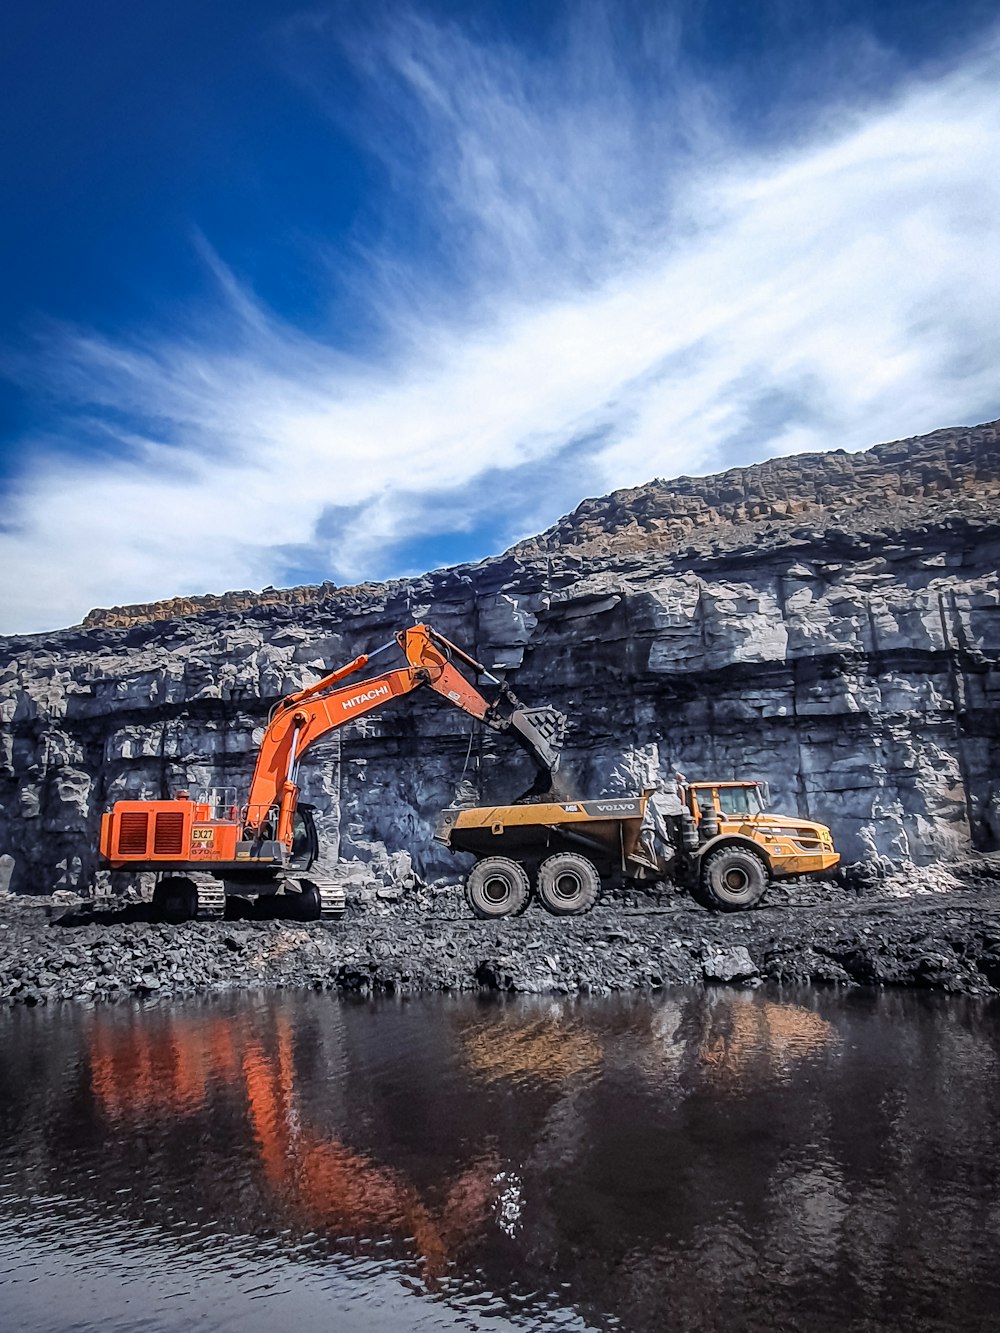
(740, 801)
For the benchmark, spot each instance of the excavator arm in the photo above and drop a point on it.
(303, 717)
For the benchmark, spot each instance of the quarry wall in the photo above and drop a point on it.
(830, 623)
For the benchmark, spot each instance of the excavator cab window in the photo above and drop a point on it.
(305, 840)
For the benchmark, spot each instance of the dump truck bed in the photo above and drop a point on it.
(606, 827)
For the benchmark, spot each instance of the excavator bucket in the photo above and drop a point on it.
(540, 731)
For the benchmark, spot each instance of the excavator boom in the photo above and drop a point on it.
(303, 717)
(181, 834)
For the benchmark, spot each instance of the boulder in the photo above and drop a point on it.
(733, 964)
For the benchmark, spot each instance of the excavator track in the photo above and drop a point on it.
(211, 898)
(332, 898)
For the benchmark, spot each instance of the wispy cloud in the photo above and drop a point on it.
(602, 282)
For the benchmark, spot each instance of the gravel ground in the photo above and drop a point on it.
(935, 928)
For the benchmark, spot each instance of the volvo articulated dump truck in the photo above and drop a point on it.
(721, 843)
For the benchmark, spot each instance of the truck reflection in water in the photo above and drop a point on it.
(550, 1048)
(741, 1038)
(731, 1035)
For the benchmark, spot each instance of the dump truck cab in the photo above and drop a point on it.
(791, 845)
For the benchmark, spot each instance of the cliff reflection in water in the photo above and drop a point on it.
(699, 1160)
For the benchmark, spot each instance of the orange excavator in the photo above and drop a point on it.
(268, 844)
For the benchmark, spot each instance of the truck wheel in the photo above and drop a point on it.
(568, 884)
(497, 886)
(733, 879)
(175, 900)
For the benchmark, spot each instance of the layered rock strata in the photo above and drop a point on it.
(830, 623)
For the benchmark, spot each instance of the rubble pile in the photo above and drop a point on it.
(426, 940)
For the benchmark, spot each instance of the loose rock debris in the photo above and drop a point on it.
(948, 941)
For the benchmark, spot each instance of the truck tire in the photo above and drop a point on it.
(568, 884)
(497, 886)
(732, 879)
(175, 900)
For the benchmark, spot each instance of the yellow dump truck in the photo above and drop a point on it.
(721, 844)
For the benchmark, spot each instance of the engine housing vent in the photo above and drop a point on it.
(168, 834)
(133, 832)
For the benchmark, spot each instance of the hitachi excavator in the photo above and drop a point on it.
(268, 845)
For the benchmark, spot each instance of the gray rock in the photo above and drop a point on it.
(730, 965)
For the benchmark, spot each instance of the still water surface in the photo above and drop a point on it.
(700, 1160)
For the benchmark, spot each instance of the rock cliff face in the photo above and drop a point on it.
(828, 622)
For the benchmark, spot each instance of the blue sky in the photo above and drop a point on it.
(345, 291)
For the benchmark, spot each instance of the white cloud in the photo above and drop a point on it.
(619, 274)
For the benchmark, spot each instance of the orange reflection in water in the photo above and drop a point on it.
(339, 1189)
(320, 1182)
(159, 1070)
